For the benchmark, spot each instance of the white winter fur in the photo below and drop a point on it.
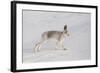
(54, 35)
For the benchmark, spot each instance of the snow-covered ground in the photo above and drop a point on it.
(77, 44)
(76, 50)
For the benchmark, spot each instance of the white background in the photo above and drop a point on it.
(5, 36)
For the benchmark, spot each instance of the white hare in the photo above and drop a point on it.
(57, 35)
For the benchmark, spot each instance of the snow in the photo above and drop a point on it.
(76, 50)
(77, 44)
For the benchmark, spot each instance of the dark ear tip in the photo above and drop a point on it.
(65, 26)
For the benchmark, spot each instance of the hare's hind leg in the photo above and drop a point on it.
(57, 45)
(36, 47)
(39, 45)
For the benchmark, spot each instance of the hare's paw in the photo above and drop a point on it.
(65, 49)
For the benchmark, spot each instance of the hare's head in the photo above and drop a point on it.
(66, 30)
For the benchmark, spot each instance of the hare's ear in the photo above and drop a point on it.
(65, 27)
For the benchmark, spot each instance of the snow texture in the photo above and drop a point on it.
(77, 44)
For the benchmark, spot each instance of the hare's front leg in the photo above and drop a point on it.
(59, 44)
(62, 45)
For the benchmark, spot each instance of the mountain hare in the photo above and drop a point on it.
(55, 35)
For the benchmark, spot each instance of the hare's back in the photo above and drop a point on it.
(52, 34)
